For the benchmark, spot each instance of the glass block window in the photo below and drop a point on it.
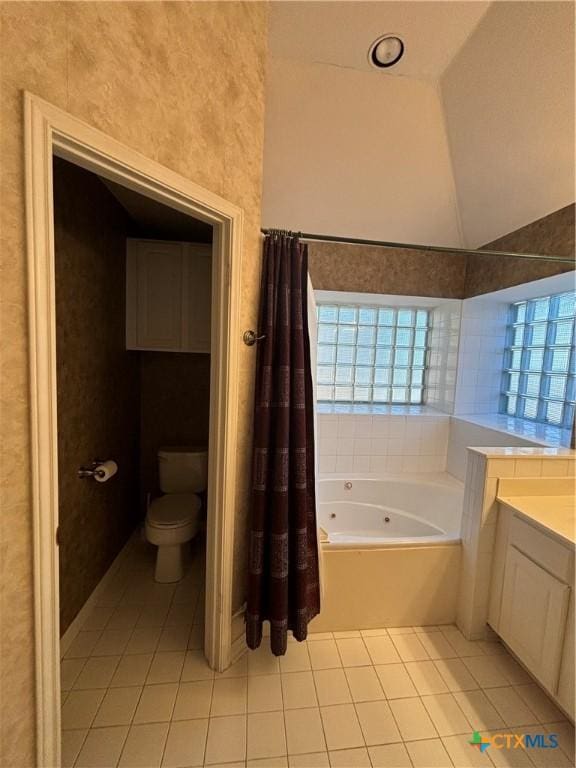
(540, 361)
(371, 354)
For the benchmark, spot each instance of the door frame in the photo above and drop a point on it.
(51, 131)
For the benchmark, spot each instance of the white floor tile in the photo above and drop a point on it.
(144, 640)
(478, 710)
(69, 671)
(265, 693)
(485, 671)
(226, 739)
(176, 639)
(71, 744)
(266, 735)
(311, 760)
(364, 684)
(238, 669)
(374, 632)
(346, 634)
(515, 674)
(80, 708)
(112, 642)
(448, 718)
(82, 645)
(296, 658)
(429, 753)
(426, 678)
(195, 635)
(462, 646)
(350, 758)
(341, 727)
(390, 756)
(166, 667)
(353, 652)
(102, 747)
(463, 755)
(196, 667)
(118, 707)
(304, 731)
(511, 707)
(98, 618)
(566, 737)
(144, 746)
(262, 661)
(298, 690)
(124, 617)
(412, 719)
(193, 700)
(456, 675)
(229, 696)
(436, 645)
(132, 670)
(377, 723)
(185, 744)
(396, 681)
(381, 650)
(179, 614)
(97, 672)
(332, 687)
(410, 648)
(324, 654)
(156, 703)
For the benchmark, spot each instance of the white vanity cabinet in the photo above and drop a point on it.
(532, 595)
(168, 296)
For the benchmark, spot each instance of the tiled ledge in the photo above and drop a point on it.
(522, 452)
(371, 409)
(540, 434)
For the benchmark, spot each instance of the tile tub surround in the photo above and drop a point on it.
(480, 513)
(382, 443)
(158, 77)
(137, 691)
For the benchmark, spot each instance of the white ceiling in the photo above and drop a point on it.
(340, 33)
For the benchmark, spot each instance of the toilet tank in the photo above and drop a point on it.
(183, 469)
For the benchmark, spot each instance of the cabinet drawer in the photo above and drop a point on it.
(550, 554)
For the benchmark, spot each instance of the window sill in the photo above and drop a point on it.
(360, 409)
(540, 434)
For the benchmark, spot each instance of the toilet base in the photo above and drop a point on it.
(168, 563)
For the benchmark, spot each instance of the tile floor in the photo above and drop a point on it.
(136, 692)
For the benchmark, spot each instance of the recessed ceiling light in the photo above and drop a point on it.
(386, 51)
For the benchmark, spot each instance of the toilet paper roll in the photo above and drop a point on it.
(104, 471)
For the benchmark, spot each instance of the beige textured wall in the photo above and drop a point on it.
(551, 235)
(183, 83)
(98, 383)
(509, 107)
(399, 271)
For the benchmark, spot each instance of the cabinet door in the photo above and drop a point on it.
(198, 298)
(156, 273)
(533, 618)
(566, 681)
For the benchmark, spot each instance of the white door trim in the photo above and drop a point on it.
(51, 131)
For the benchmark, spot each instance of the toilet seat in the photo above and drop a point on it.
(174, 510)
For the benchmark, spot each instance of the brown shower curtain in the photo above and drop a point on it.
(283, 579)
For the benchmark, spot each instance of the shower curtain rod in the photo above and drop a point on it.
(413, 246)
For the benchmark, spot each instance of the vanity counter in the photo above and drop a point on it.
(554, 515)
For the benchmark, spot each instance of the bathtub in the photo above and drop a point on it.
(390, 511)
(391, 554)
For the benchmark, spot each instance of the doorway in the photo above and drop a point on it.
(52, 132)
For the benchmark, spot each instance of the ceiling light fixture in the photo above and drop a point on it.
(386, 51)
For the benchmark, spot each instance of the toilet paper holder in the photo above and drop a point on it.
(92, 470)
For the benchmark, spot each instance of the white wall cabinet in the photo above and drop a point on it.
(168, 296)
(532, 602)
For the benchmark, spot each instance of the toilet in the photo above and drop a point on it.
(174, 518)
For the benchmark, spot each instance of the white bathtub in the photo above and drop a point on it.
(392, 554)
(390, 511)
